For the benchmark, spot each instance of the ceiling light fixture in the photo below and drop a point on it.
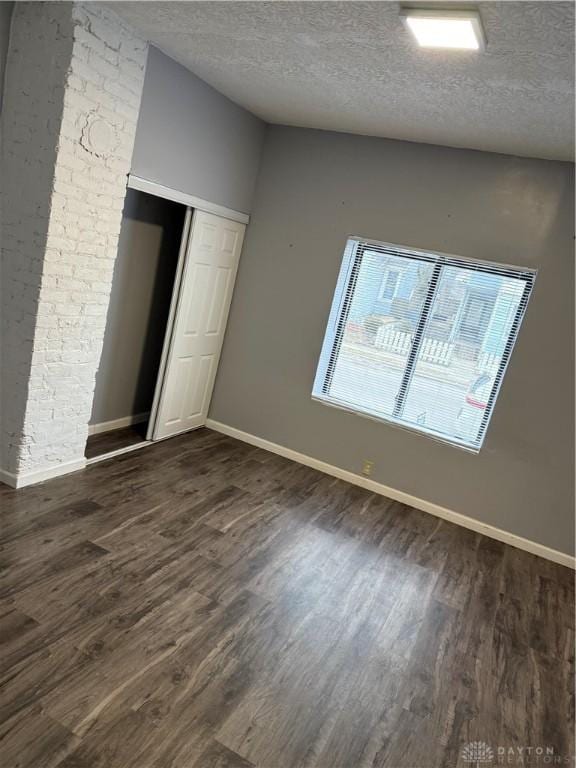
(436, 28)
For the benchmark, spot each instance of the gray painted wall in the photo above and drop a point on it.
(193, 139)
(5, 18)
(315, 188)
(139, 304)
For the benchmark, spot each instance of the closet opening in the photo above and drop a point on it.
(142, 288)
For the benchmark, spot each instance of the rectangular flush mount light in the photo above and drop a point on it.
(436, 28)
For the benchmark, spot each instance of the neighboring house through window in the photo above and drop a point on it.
(421, 339)
(389, 284)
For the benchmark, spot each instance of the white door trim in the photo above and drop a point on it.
(118, 452)
(153, 188)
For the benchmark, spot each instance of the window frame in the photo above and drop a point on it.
(341, 303)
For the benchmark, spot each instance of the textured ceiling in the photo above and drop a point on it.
(352, 66)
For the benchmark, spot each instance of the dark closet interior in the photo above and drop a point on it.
(142, 288)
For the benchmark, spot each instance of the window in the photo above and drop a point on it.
(433, 359)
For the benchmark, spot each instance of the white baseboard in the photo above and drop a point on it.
(125, 421)
(22, 479)
(405, 498)
(8, 478)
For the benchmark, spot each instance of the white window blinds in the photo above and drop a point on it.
(421, 339)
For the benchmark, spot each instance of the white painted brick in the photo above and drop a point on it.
(103, 67)
(122, 91)
(68, 63)
(83, 70)
(76, 83)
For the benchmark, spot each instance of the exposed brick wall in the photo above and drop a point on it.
(75, 75)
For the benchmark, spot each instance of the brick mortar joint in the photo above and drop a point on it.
(58, 371)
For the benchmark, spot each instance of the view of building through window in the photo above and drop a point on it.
(422, 341)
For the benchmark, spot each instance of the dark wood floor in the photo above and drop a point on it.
(106, 442)
(205, 604)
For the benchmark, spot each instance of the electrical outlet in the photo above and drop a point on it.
(367, 467)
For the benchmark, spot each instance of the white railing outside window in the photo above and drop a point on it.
(432, 357)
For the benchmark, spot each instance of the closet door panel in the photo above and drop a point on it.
(200, 320)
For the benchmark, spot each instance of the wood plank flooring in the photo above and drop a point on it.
(106, 442)
(205, 604)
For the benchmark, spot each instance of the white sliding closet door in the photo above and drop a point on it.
(199, 324)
